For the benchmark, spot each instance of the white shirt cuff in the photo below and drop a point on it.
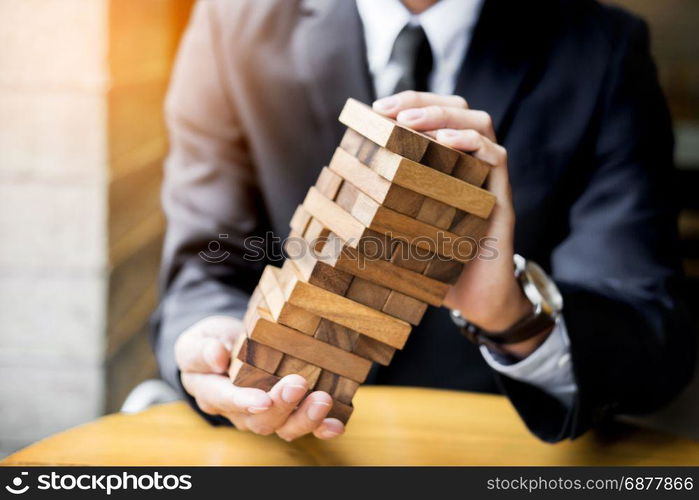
(549, 367)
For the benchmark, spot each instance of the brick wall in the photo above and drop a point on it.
(81, 147)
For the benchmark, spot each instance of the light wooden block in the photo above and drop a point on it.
(316, 233)
(328, 183)
(433, 184)
(383, 131)
(306, 348)
(299, 221)
(372, 184)
(352, 141)
(382, 272)
(346, 312)
(316, 272)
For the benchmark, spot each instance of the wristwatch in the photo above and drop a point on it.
(547, 304)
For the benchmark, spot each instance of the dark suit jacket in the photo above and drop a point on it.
(572, 90)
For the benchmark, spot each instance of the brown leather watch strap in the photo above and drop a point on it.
(531, 325)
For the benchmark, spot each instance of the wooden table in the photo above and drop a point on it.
(390, 426)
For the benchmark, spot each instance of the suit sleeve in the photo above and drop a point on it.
(631, 340)
(210, 197)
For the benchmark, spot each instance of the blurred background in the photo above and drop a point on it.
(82, 142)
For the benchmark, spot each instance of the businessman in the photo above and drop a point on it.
(559, 96)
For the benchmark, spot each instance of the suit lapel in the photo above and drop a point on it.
(498, 60)
(330, 58)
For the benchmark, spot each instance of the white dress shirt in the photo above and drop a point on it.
(449, 26)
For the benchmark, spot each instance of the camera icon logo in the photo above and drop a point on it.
(214, 253)
(16, 487)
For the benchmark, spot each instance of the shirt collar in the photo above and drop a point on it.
(443, 23)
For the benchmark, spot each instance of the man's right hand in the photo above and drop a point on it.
(203, 353)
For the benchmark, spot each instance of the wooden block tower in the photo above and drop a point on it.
(387, 228)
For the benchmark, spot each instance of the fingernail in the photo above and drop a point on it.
(386, 104)
(332, 428)
(447, 133)
(410, 115)
(318, 410)
(292, 393)
(257, 409)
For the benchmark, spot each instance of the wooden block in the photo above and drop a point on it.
(345, 390)
(366, 151)
(319, 273)
(410, 257)
(472, 170)
(404, 307)
(272, 291)
(284, 313)
(306, 348)
(440, 157)
(372, 184)
(433, 184)
(298, 319)
(368, 293)
(374, 350)
(337, 335)
(353, 315)
(327, 382)
(299, 221)
(328, 183)
(403, 201)
(340, 388)
(347, 196)
(436, 213)
(446, 271)
(383, 131)
(333, 216)
(380, 272)
(352, 141)
(399, 226)
(245, 375)
(469, 225)
(291, 365)
(259, 355)
(316, 233)
(340, 411)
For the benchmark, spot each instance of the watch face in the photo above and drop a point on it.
(547, 290)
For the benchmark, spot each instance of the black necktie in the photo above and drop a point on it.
(412, 52)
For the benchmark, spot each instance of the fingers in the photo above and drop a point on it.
(443, 117)
(216, 395)
(309, 417)
(498, 180)
(329, 429)
(285, 396)
(206, 346)
(392, 105)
